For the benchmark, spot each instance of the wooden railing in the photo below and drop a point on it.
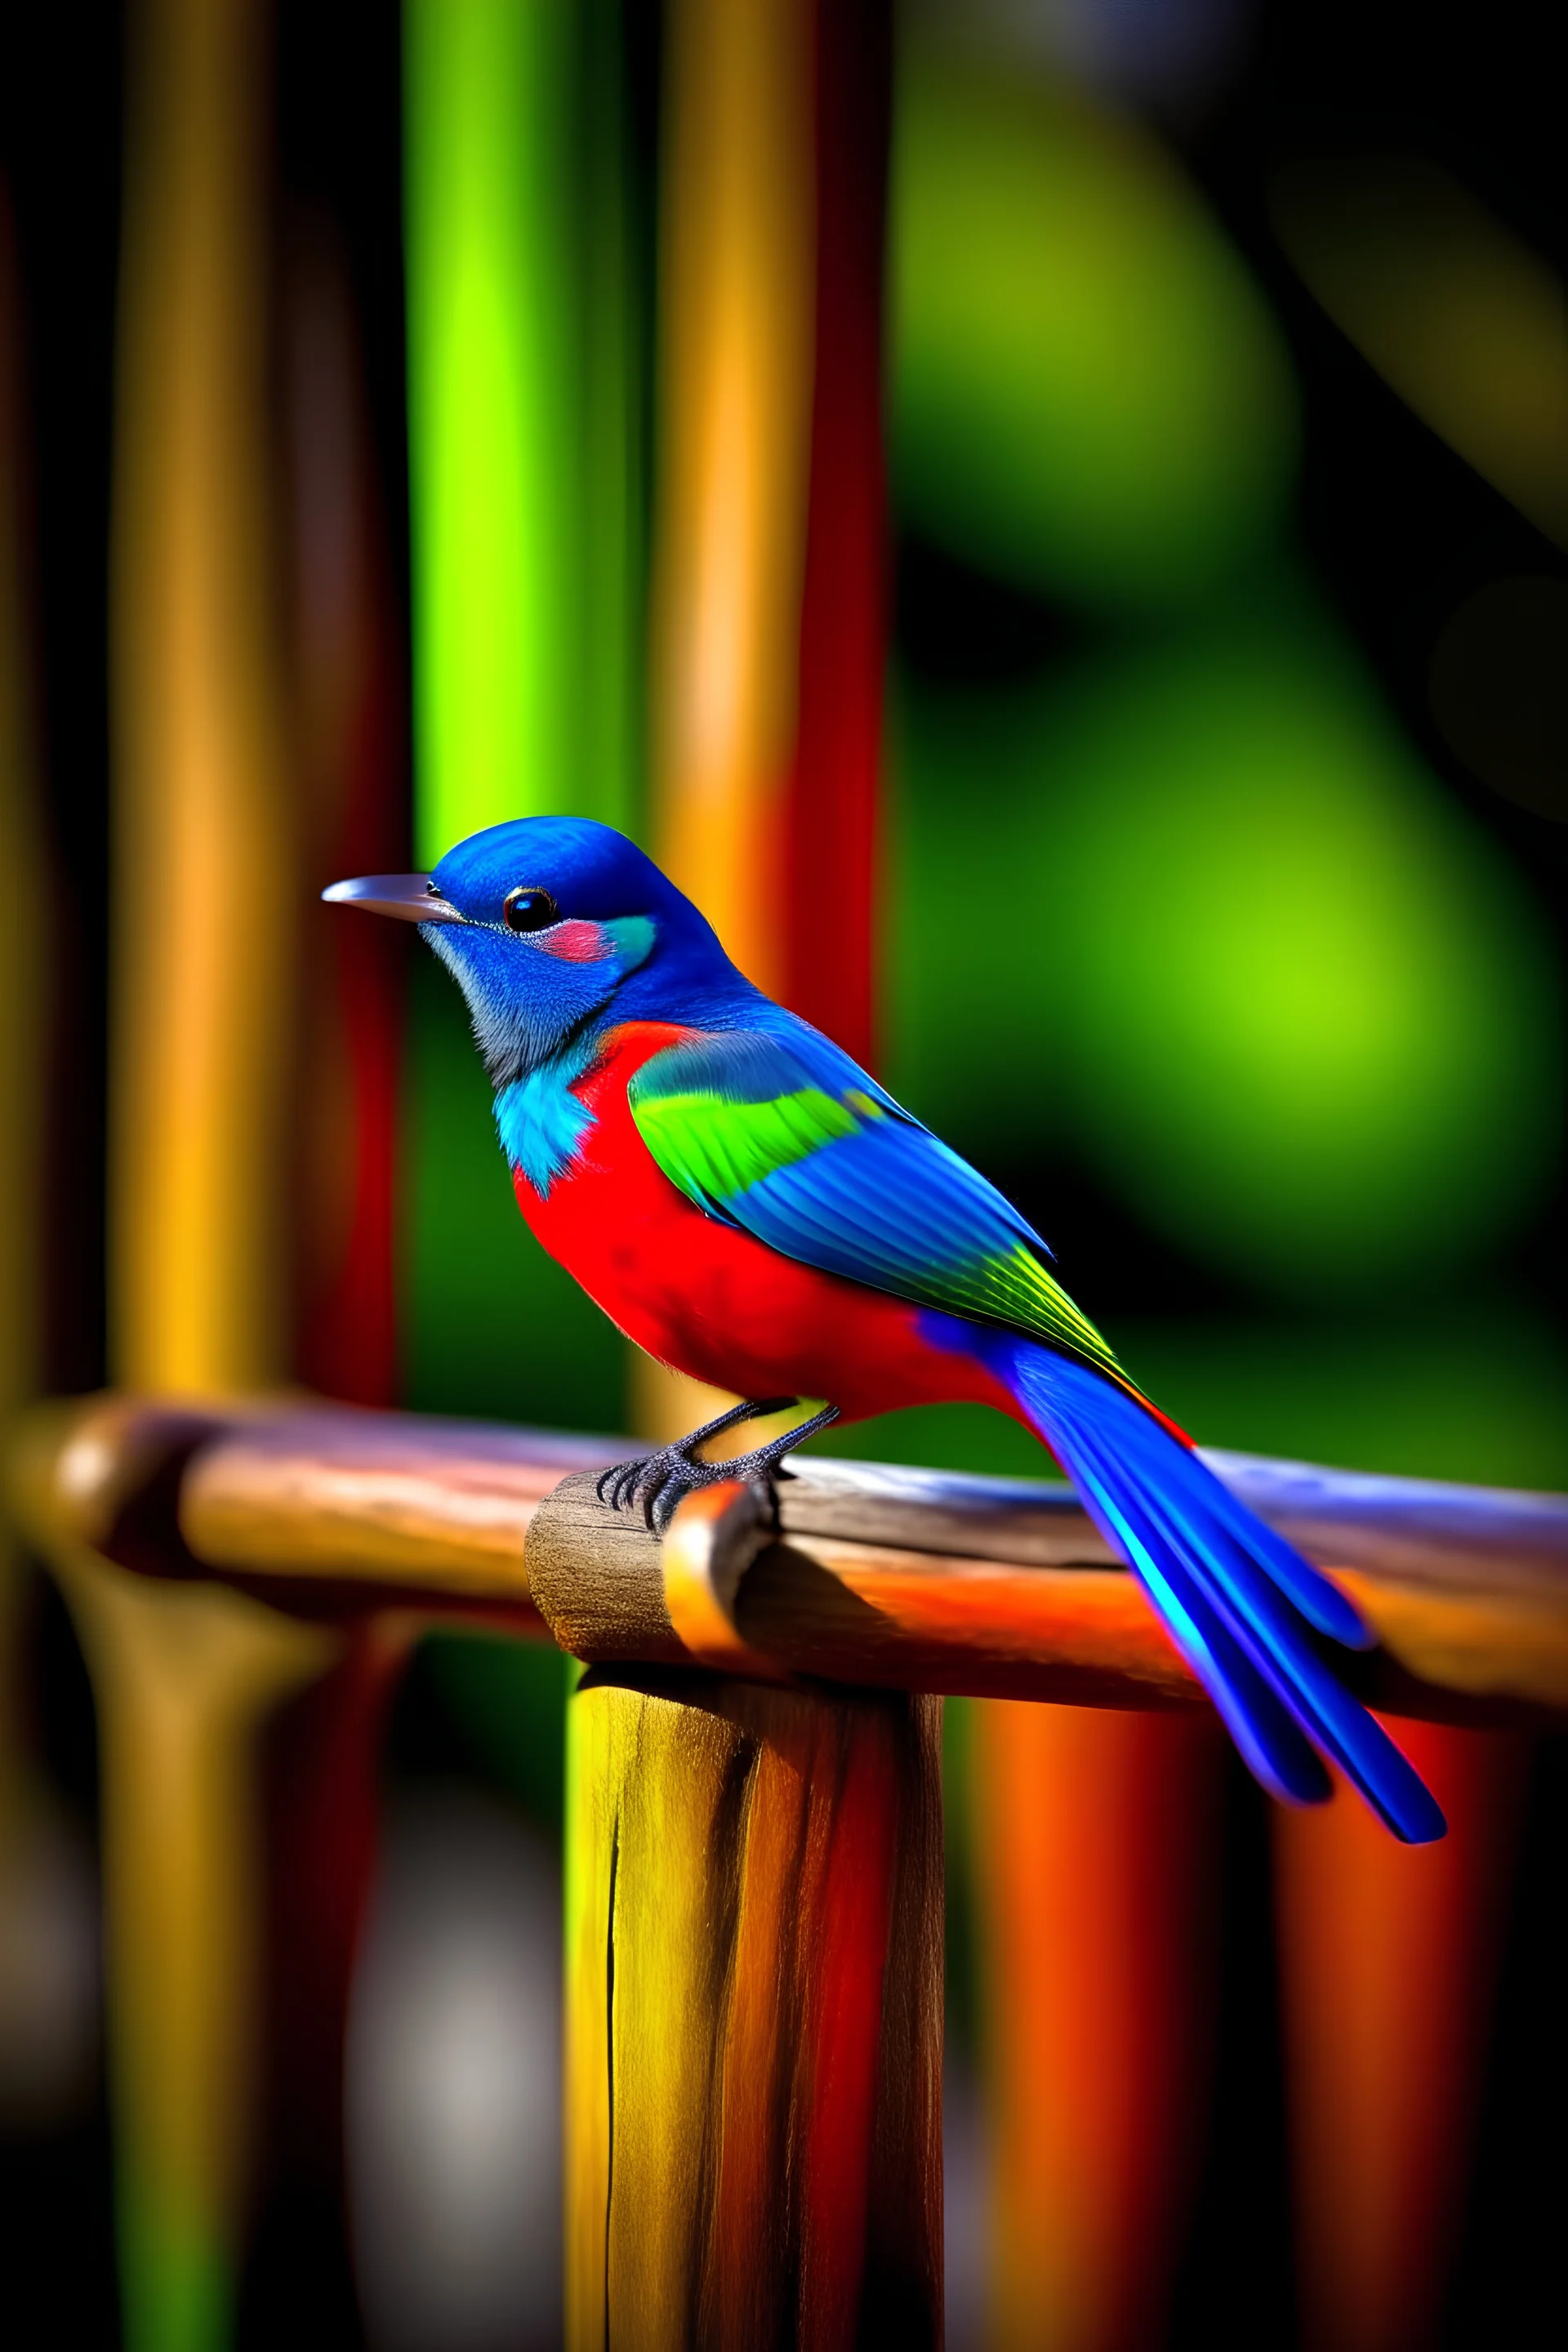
(912, 1580)
(754, 1909)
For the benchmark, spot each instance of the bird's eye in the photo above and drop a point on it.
(529, 910)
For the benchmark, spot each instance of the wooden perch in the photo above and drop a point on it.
(754, 2015)
(910, 1579)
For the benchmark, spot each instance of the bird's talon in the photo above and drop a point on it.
(660, 1482)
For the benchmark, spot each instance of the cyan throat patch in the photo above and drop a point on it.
(540, 1121)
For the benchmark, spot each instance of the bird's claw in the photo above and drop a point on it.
(661, 1481)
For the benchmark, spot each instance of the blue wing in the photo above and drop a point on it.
(781, 1133)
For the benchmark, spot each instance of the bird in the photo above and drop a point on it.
(753, 1209)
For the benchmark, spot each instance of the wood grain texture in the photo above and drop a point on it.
(865, 1574)
(398, 1508)
(1476, 1541)
(1070, 1624)
(753, 2017)
(428, 1504)
(596, 1577)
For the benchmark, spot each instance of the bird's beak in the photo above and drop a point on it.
(411, 898)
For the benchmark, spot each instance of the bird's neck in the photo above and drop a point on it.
(540, 1121)
(696, 988)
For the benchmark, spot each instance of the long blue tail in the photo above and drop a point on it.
(1232, 1593)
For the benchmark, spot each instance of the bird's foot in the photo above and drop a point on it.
(658, 1482)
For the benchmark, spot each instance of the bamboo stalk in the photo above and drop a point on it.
(349, 757)
(754, 2032)
(1089, 1831)
(207, 889)
(827, 884)
(735, 427)
(733, 457)
(206, 884)
(1388, 1958)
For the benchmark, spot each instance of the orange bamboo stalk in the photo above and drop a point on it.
(735, 430)
(1090, 1832)
(733, 467)
(1388, 1957)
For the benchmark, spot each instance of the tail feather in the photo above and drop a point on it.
(1275, 1749)
(1321, 1603)
(1232, 1593)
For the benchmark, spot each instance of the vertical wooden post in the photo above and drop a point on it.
(1089, 1833)
(753, 2025)
(1388, 1957)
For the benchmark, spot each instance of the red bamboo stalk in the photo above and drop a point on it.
(356, 822)
(832, 823)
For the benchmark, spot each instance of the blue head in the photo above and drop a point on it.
(548, 925)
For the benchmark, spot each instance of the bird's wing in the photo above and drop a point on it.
(783, 1135)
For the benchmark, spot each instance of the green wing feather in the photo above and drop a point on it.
(785, 1138)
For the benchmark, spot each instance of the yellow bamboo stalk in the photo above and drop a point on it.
(754, 2022)
(205, 905)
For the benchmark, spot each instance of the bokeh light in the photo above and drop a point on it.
(1455, 309)
(1242, 954)
(1089, 394)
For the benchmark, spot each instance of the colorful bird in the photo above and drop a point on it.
(749, 1206)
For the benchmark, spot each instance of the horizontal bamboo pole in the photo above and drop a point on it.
(908, 1578)
(305, 1499)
